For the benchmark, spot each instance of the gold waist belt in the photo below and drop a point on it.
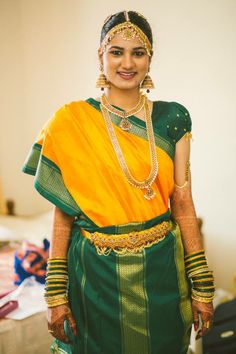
(132, 242)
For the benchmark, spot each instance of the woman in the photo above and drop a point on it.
(125, 240)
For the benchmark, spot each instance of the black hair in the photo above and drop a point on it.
(136, 18)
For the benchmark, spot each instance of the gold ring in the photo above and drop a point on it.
(207, 324)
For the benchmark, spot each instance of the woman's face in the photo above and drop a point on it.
(125, 62)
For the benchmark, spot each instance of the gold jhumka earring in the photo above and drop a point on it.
(147, 83)
(102, 80)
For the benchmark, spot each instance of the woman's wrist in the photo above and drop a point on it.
(56, 282)
(201, 276)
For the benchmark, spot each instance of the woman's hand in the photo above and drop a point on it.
(56, 317)
(206, 313)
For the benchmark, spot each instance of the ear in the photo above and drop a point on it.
(100, 54)
(150, 60)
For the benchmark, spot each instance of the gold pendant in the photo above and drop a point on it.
(125, 124)
(150, 194)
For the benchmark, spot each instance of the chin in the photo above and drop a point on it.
(126, 85)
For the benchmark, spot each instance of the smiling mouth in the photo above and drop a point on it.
(126, 76)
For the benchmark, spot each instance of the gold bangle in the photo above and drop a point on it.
(56, 292)
(197, 262)
(57, 304)
(202, 280)
(59, 272)
(55, 266)
(56, 301)
(201, 299)
(56, 281)
(57, 285)
(197, 293)
(205, 287)
(57, 276)
(189, 271)
(194, 257)
(183, 185)
(51, 300)
(200, 295)
(56, 297)
(198, 271)
(194, 253)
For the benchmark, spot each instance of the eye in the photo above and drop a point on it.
(139, 53)
(116, 53)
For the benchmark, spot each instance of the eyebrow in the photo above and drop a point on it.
(120, 48)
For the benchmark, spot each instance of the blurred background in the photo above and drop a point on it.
(49, 58)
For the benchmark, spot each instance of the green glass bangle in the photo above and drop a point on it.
(202, 277)
(194, 254)
(190, 261)
(195, 265)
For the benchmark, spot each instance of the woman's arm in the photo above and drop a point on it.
(182, 206)
(183, 211)
(60, 239)
(61, 231)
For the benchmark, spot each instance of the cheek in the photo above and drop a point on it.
(109, 65)
(144, 65)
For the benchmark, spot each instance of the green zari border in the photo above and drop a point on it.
(139, 128)
(185, 302)
(30, 166)
(49, 182)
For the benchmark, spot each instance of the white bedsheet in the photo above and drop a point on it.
(33, 229)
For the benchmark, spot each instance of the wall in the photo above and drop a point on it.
(49, 58)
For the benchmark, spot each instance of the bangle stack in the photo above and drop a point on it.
(56, 282)
(202, 278)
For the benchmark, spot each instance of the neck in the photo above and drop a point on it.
(125, 99)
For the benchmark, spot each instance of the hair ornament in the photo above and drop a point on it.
(128, 31)
(126, 16)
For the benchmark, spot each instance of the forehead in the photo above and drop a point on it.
(119, 41)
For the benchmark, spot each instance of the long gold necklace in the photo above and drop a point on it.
(125, 123)
(146, 184)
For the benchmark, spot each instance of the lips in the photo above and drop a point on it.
(126, 76)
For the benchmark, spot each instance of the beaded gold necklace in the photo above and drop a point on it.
(146, 184)
(125, 123)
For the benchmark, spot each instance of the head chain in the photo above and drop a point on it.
(129, 31)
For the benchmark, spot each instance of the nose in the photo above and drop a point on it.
(127, 61)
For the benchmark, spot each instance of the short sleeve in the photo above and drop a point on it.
(42, 163)
(180, 122)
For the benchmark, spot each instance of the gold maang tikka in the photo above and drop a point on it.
(128, 31)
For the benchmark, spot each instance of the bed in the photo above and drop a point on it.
(29, 335)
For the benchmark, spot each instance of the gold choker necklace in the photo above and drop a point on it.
(146, 184)
(125, 123)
